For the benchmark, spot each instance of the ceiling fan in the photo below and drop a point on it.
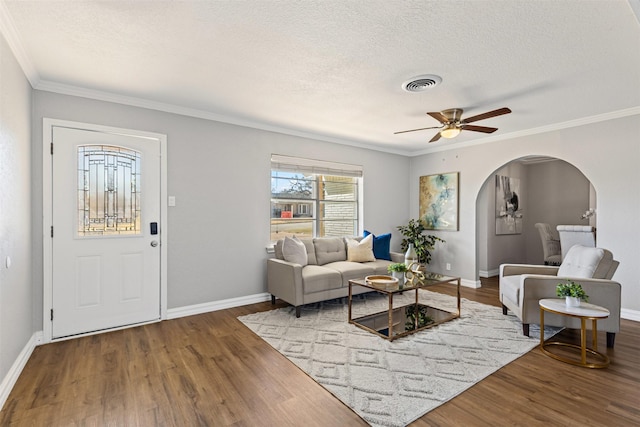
(452, 124)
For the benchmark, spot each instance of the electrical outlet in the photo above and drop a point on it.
(448, 267)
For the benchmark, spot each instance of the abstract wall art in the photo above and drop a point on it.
(508, 208)
(439, 201)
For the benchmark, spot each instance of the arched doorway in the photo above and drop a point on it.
(550, 190)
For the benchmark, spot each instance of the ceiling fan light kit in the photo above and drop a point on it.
(452, 123)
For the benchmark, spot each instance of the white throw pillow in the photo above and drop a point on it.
(293, 250)
(361, 251)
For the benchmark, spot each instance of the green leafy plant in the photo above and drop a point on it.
(413, 232)
(398, 267)
(417, 317)
(571, 289)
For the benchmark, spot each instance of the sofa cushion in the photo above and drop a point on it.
(308, 243)
(361, 251)
(379, 266)
(586, 262)
(381, 245)
(329, 249)
(351, 270)
(294, 251)
(510, 286)
(317, 278)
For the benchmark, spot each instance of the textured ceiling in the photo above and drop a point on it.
(334, 69)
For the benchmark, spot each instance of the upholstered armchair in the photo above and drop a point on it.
(550, 245)
(522, 286)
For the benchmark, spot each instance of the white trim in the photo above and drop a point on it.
(8, 29)
(634, 315)
(14, 372)
(489, 273)
(470, 283)
(47, 211)
(207, 307)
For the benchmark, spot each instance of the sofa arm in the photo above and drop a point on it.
(517, 269)
(284, 280)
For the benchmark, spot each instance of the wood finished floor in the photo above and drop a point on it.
(210, 370)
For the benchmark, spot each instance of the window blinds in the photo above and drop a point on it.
(320, 167)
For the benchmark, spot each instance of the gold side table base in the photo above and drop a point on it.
(603, 363)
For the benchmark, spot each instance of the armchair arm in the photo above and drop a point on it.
(605, 293)
(517, 269)
(284, 280)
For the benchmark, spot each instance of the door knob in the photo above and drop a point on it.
(154, 243)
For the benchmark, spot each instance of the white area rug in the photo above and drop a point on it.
(394, 383)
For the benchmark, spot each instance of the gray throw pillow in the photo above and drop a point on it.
(294, 251)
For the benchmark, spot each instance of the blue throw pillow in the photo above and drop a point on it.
(381, 245)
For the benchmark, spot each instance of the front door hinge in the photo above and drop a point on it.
(52, 148)
(52, 231)
(52, 314)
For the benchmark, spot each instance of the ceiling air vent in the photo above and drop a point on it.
(422, 83)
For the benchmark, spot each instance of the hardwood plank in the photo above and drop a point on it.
(210, 370)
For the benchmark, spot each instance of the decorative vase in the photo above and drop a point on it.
(572, 301)
(410, 257)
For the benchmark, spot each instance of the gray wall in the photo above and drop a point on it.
(606, 152)
(220, 176)
(16, 291)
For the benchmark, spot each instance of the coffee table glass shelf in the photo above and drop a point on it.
(396, 322)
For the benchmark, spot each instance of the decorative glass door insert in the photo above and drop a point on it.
(108, 191)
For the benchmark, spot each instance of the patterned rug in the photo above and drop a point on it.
(394, 383)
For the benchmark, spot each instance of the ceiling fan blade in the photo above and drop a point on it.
(494, 113)
(413, 130)
(435, 138)
(439, 117)
(484, 129)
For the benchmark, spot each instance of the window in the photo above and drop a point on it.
(108, 191)
(311, 198)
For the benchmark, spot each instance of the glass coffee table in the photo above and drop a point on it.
(396, 322)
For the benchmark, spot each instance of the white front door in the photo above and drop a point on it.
(106, 230)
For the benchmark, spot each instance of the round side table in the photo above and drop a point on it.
(583, 312)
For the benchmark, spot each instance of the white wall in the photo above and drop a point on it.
(16, 290)
(607, 153)
(220, 176)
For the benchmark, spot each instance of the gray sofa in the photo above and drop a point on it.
(326, 276)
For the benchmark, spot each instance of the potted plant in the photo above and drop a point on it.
(572, 292)
(422, 243)
(397, 270)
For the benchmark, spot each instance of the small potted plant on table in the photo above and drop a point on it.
(397, 270)
(572, 292)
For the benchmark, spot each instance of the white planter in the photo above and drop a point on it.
(398, 275)
(572, 301)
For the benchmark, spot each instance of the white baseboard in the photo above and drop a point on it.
(634, 315)
(489, 273)
(16, 369)
(470, 283)
(174, 313)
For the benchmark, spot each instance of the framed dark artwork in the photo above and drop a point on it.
(439, 201)
(508, 209)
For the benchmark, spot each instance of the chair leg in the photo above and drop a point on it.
(298, 311)
(611, 339)
(504, 309)
(273, 299)
(525, 329)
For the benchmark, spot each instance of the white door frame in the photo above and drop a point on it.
(47, 214)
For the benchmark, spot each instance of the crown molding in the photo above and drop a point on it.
(64, 89)
(10, 33)
(534, 131)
